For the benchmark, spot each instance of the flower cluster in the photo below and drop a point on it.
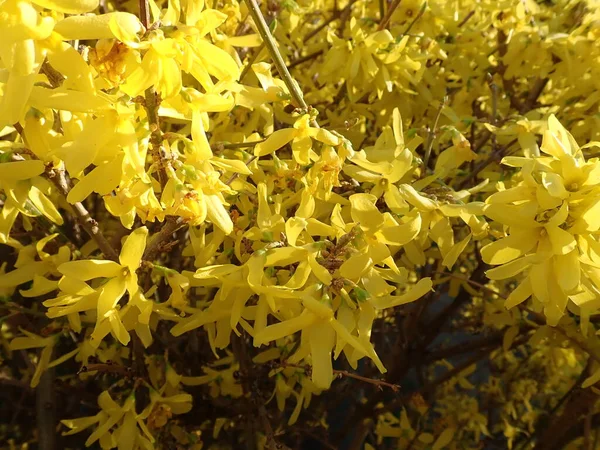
(214, 202)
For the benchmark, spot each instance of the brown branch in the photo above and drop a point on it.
(55, 78)
(45, 406)
(144, 13)
(432, 134)
(247, 379)
(344, 373)
(465, 347)
(304, 59)
(151, 104)
(337, 14)
(494, 157)
(472, 282)
(534, 94)
(171, 225)
(237, 174)
(577, 405)
(59, 179)
(417, 17)
(248, 65)
(269, 41)
(220, 146)
(466, 19)
(388, 15)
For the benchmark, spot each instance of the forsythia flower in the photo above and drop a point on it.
(551, 219)
(118, 278)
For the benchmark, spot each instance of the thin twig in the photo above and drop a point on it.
(337, 14)
(172, 224)
(222, 146)
(304, 59)
(144, 13)
(381, 9)
(432, 133)
(534, 94)
(495, 156)
(58, 177)
(151, 104)
(271, 45)
(345, 373)
(237, 174)
(474, 283)
(417, 17)
(378, 383)
(54, 76)
(251, 60)
(388, 15)
(466, 19)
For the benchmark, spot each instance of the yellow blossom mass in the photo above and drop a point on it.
(242, 224)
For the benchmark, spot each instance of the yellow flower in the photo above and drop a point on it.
(78, 296)
(300, 136)
(551, 216)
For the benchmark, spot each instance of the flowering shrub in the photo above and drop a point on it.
(300, 224)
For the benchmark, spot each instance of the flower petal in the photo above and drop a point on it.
(90, 268)
(133, 249)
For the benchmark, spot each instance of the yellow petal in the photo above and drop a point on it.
(68, 6)
(44, 205)
(591, 217)
(68, 100)
(199, 319)
(408, 193)
(327, 137)
(356, 266)
(322, 310)
(97, 26)
(284, 256)
(90, 268)
(319, 271)
(275, 141)
(72, 286)
(510, 269)
(20, 170)
(522, 292)
(400, 234)
(455, 252)
(216, 212)
(217, 271)
(23, 274)
(203, 151)
(30, 341)
(216, 61)
(591, 380)
(133, 249)
(506, 249)
(40, 287)
(364, 211)
(567, 271)
(562, 241)
(285, 328)
(42, 365)
(110, 295)
(423, 286)
(518, 216)
(103, 179)
(321, 338)
(15, 98)
(540, 275)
